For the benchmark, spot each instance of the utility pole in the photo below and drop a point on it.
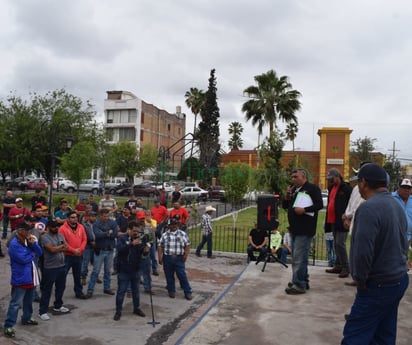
(395, 166)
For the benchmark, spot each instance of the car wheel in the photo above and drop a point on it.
(70, 190)
(94, 191)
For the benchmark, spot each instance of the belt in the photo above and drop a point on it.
(173, 256)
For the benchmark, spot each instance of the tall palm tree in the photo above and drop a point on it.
(290, 131)
(195, 98)
(272, 99)
(235, 141)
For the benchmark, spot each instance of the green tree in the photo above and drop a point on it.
(190, 169)
(77, 163)
(271, 155)
(291, 132)
(235, 180)
(235, 131)
(362, 149)
(126, 158)
(208, 132)
(195, 99)
(272, 99)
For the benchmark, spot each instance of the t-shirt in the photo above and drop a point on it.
(52, 260)
(7, 200)
(258, 237)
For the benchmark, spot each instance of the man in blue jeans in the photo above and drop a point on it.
(378, 262)
(23, 249)
(105, 232)
(303, 201)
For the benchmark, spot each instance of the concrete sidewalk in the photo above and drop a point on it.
(256, 310)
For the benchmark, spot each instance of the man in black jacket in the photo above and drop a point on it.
(303, 201)
(338, 198)
(130, 250)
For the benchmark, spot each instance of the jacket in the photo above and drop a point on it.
(128, 255)
(341, 202)
(304, 225)
(21, 261)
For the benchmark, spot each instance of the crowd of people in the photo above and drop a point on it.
(44, 246)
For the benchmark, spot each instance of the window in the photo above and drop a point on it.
(168, 127)
(109, 132)
(132, 116)
(141, 134)
(142, 117)
(128, 134)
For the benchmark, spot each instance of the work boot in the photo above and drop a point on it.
(344, 273)
(335, 270)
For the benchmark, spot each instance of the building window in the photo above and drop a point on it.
(109, 132)
(168, 127)
(132, 116)
(127, 134)
(141, 134)
(142, 117)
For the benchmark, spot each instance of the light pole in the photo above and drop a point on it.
(69, 143)
(161, 157)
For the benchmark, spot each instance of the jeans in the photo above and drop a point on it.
(153, 250)
(206, 239)
(125, 281)
(87, 258)
(330, 248)
(251, 249)
(56, 276)
(75, 263)
(174, 264)
(147, 278)
(5, 225)
(374, 314)
(283, 254)
(19, 297)
(105, 257)
(342, 261)
(300, 258)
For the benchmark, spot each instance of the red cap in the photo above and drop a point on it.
(140, 214)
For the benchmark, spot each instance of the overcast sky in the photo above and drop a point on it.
(351, 60)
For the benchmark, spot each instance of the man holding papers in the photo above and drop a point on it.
(303, 200)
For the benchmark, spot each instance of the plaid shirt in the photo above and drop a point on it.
(206, 224)
(174, 243)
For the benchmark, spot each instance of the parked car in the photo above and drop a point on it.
(37, 183)
(167, 186)
(90, 185)
(112, 188)
(252, 195)
(216, 193)
(18, 182)
(194, 193)
(64, 184)
(145, 190)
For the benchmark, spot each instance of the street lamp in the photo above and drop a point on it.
(69, 143)
(162, 156)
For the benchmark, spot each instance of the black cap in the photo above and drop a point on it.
(372, 172)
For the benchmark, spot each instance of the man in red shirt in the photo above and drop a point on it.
(17, 214)
(159, 214)
(183, 214)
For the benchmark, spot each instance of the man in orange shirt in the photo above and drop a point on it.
(159, 214)
(76, 239)
(183, 214)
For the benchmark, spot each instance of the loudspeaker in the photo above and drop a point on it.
(267, 211)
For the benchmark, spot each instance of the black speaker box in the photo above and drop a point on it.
(267, 211)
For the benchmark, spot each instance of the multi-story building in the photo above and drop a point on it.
(127, 117)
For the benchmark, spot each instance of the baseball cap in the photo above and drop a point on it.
(372, 172)
(82, 197)
(333, 173)
(140, 215)
(405, 183)
(19, 199)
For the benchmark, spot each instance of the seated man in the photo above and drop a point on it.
(258, 240)
(275, 241)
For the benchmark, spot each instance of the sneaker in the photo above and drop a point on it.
(290, 284)
(44, 317)
(109, 292)
(172, 294)
(189, 296)
(9, 332)
(117, 316)
(62, 309)
(294, 290)
(139, 312)
(30, 322)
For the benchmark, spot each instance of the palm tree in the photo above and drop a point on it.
(290, 131)
(235, 141)
(195, 99)
(272, 99)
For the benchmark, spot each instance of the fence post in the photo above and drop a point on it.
(234, 216)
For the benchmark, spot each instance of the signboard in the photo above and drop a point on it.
(334, 161)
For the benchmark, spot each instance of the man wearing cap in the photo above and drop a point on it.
(81, 208)
(403, 196)
(173, 250)
(378, 261)
(207, 230)
(54, 271)
(183, 214)
(108, 203)
(338, 198)
(23, 250)
(17, 214)
(9, 201)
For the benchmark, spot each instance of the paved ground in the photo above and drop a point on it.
(233, 303)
